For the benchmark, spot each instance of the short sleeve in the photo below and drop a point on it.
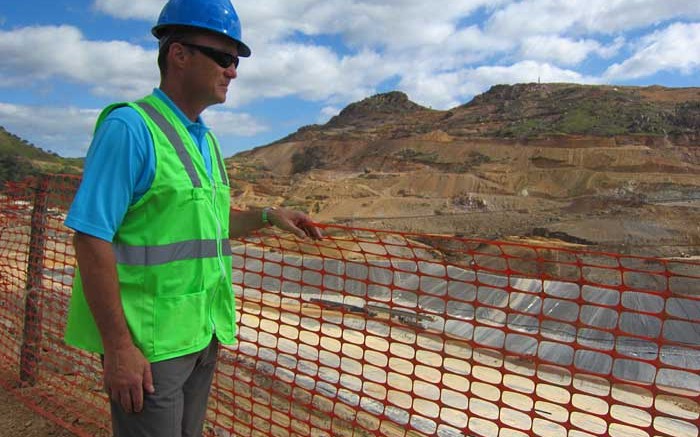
(119, 169)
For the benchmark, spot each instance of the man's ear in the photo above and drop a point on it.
(177, 54)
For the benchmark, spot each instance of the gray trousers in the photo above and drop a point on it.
(179, 405)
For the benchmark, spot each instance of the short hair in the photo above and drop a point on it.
(170, 35)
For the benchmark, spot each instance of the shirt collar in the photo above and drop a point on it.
(189, 124)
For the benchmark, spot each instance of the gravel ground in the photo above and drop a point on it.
(18, 420)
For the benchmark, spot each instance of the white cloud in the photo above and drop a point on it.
(439, 91)
(69, 130)
(404, 25)
(109, 68)
(444, 91)
(309, 72)
(141, 9)
(527, 71)
(473, 40)
(328, 112)
(536, 17)
(412, 40)
(361, 23)
(675, 48)
(397, 24)
(65, 129)
(230, 123)
(612, 49)
(230, 127)
(564, 51)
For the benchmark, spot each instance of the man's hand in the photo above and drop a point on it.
(127, 374)
(295, 222)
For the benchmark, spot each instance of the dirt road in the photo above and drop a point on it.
(18, 420)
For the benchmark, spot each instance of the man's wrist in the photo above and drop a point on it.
(265, 215)
(117, 342)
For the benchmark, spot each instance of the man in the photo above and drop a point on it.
(152, 218)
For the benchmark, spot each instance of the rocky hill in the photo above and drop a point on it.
(609, 167)
(523, 111)
(20, 159)
(527, 111)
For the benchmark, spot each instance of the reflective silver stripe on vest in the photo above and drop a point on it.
(222, 168)
(155, 255)
(175, 140)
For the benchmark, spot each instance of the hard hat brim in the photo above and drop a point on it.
(243, 49)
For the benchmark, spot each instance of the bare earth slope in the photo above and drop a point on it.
(613, 168)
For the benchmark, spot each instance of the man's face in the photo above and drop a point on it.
(209, 72)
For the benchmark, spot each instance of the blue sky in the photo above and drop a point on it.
(61, 61)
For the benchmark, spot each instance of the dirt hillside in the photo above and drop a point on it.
(617, 168)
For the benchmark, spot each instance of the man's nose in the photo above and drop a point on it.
(231, 71)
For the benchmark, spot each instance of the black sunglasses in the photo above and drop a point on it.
(222, 58)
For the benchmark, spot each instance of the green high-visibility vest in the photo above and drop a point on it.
(172, 250)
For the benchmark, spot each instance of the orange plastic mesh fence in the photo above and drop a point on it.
(385, 333)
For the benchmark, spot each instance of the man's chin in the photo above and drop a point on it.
(219, 99)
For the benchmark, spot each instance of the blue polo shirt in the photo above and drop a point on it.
(119, 168)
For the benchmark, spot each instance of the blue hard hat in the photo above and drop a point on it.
(219, 16)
